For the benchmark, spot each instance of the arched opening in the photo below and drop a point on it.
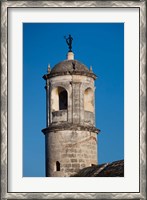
(63, 100)
(59, 99)
(89, 100)
(92, 165)
(57, 166)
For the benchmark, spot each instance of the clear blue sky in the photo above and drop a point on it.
(100, 45)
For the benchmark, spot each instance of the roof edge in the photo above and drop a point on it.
(82, 73)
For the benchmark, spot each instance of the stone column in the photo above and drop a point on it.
(47, 103)
(49, 99)
(81, 104)
(69, 114)
(76, 102)
(94, 120)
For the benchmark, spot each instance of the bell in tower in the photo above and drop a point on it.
(70, 133)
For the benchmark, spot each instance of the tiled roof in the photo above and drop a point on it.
(114, 169)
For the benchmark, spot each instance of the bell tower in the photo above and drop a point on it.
(70, 133)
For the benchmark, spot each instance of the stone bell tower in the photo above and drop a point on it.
(70, 133)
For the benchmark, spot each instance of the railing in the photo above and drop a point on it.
(59, 116)
(89, 118)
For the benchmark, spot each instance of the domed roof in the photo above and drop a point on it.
(69, 66)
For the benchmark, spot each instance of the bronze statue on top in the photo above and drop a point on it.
(69, 42)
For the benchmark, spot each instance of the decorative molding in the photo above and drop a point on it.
(69, 126)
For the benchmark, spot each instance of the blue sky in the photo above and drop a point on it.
(100, 45)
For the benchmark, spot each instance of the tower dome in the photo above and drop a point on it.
(69, 66)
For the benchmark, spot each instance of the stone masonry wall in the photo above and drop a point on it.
(75, 86)
(74, 150)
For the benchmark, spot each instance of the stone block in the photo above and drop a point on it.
(81, 160)
(73, 160)
(76, 165)
(66, 165)
(82, 165)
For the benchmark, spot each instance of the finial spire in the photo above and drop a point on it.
(49, 69)
(69, 42)
(90, 69)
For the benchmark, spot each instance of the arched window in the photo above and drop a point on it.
(59, 99)
(57, 166)
(88, 100)
(63, 100)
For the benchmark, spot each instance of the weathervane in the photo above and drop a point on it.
(69, 42)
